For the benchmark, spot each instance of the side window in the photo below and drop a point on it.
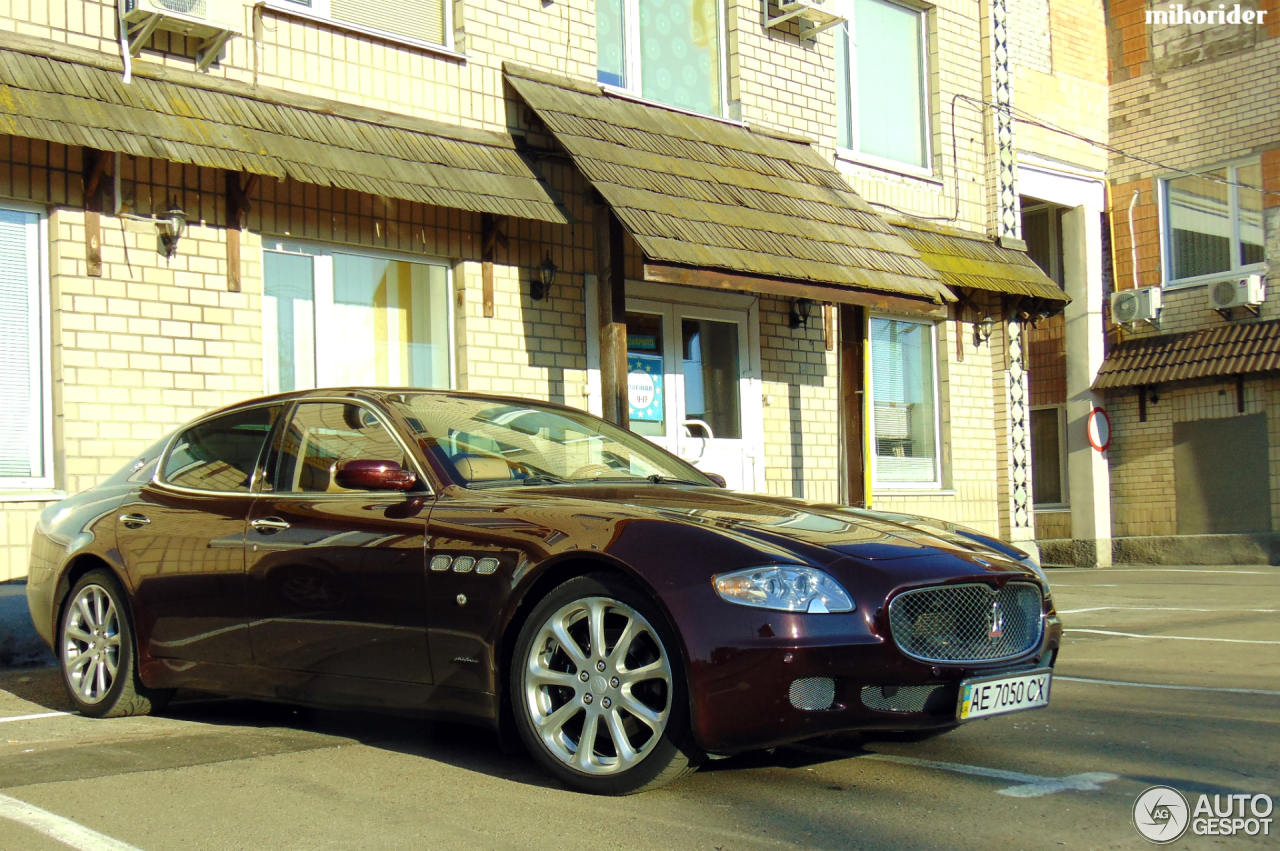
(221, 454)
(323, 433)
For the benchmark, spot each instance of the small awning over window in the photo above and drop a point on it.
(1217, 352)
(60, 93)
(964, 259)
(697, 193)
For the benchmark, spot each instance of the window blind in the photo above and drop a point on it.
(420, 19)
(21, 428)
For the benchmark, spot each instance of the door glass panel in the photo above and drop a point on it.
(222, 454)
(1046, 456)
(288, 319)
(646, 374)
(393, 318)
(712, 375)
(322, 434)
(903, 395)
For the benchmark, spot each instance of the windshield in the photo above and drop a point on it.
(489, 443)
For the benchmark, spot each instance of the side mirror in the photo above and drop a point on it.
(718, 479)
(373, 476)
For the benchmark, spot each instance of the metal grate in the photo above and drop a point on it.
(813, 693)
(967, 623)
(902, 698)
(485, 566)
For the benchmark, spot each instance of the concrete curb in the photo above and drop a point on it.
(20, 646)
(1241, 549)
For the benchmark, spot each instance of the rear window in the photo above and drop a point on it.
(220, 454)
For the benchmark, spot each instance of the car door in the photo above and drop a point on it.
(181, 538)
(336, 575)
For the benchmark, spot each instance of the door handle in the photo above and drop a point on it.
(134, 521)
(269, 525)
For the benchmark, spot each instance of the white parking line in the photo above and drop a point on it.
(32, 717)
(1057, 678)
(1160, 609)
(64, 830)
(1176, 637)
(1028, 785)
(1106, 570)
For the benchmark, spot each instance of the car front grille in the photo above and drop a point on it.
(968, 623)
(927, 698)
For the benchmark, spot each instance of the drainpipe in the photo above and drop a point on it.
(1133, 244)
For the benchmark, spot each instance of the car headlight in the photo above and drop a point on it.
(784, 587)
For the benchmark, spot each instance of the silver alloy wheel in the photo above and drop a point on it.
(598, 686)
(91, 644)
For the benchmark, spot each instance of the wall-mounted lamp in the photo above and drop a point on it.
(982, 330)
(801, 310)
(173, 224)
(542, 278)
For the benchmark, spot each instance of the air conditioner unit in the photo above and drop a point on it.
(1142, 305)
(211, 21)
(1247, 291)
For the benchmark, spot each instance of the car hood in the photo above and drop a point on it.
(815, 531)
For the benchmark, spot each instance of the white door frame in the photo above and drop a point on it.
(714, 305)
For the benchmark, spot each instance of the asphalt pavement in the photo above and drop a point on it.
(228, 774)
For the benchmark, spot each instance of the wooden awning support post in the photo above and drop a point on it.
(239, 190)
(95, 166)
(612, 298)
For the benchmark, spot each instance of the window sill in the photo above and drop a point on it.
(1216, 277)
(280, 8)
(910, 490)
(626, 94)
(32, 495)
(923, 175)
(1053, 509)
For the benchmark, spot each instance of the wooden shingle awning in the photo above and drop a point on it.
(73, 96)
(1217, 352)
(968, 260)
(766, 212)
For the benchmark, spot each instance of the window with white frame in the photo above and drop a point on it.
(336, 318)
(904, 395)
(1049, 455)
(670, 51)
(882, 90)
(1213, 221)
(427, 21)
(26, 452)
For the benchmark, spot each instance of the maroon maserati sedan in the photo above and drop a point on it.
(526, 567)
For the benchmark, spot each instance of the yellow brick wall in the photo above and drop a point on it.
(154, 342)
(1143, 490)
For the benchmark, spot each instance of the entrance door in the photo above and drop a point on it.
(692, 385)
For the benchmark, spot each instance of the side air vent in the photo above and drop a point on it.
(813, 694)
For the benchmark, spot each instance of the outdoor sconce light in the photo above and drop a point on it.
(173, 224)
(542, 278)
(982, 330)
(801, 310)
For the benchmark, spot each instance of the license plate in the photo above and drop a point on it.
(985, 696)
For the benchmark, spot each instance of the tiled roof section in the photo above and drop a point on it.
(1222, 350)
(73, 96)
(966, 259)
(700, 192)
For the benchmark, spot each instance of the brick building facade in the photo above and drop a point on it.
(337, 268)
(1196, 448)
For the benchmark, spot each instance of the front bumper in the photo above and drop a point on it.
(742, 691)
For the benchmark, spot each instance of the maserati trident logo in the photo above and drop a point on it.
(997, 620)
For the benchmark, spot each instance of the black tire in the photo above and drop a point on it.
(111, 640)
(660, 757)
